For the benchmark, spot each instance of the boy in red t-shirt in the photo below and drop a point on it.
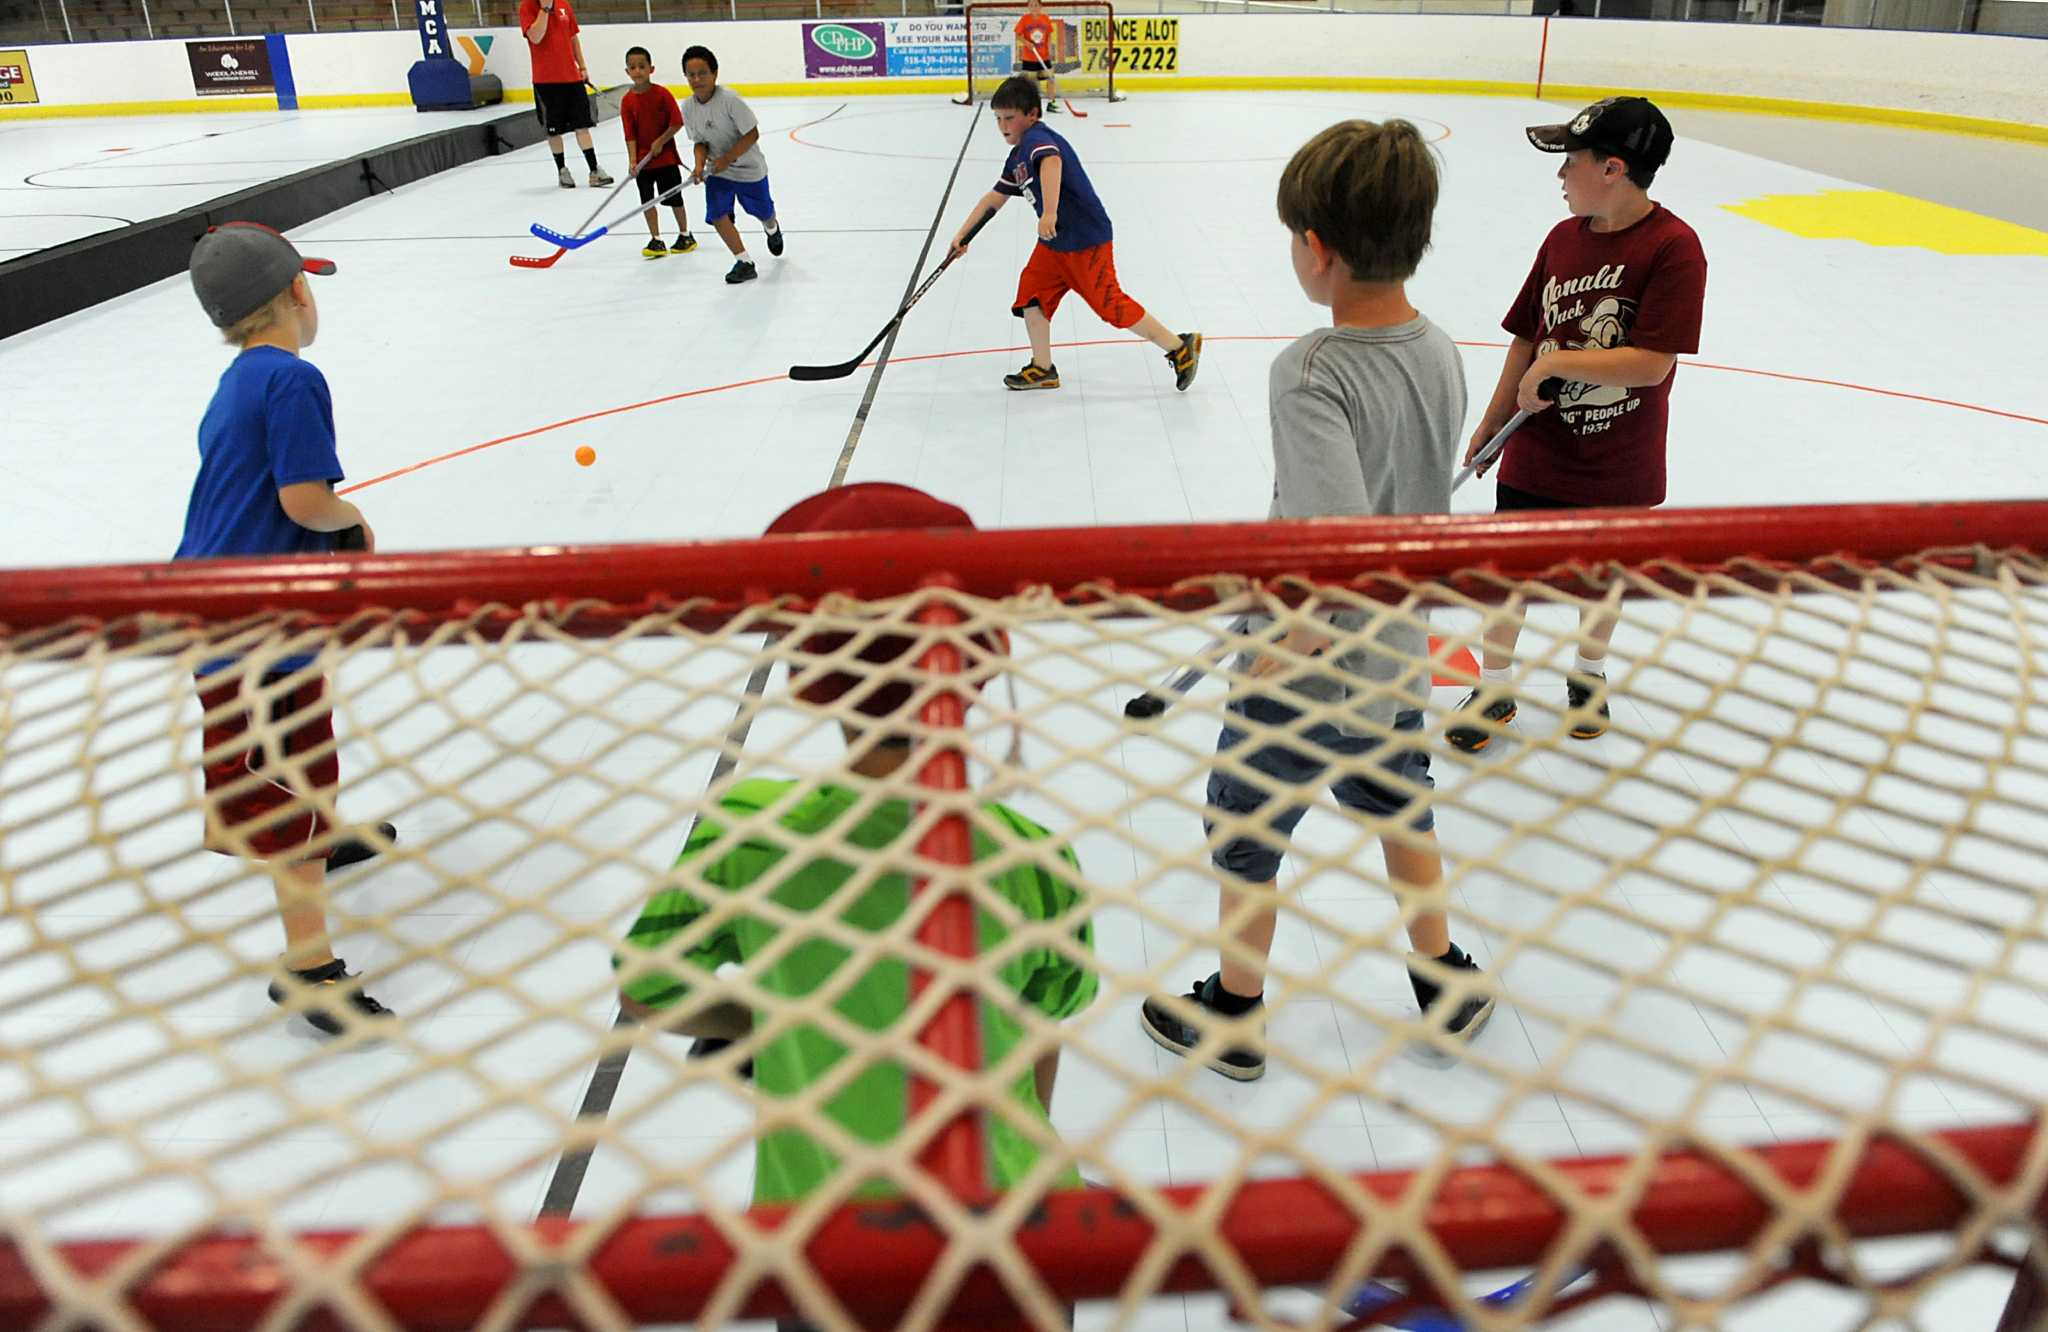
(1034, 49)
(559, 73)
(652, 120)
(1614, 297)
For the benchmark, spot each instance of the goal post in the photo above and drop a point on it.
(1083, 54)
(1771, 956)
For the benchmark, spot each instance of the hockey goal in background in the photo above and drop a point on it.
(1771, 954)
(1083, 56)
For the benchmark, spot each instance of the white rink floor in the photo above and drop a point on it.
(1829, 371)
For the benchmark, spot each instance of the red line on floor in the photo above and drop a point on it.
(1108, 342)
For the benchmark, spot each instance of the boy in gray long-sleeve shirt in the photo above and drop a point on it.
(1368, 416)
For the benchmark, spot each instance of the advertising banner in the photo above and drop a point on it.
(230, 66)
(843, 50)
(17, 80)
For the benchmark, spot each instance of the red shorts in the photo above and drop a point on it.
(1051, 274)
(257, 794)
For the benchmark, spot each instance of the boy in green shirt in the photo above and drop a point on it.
(873, 1106)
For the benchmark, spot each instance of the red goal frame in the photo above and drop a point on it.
(875, 1257)
(1054, 8)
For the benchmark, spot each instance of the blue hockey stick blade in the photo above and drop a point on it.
(567, 242)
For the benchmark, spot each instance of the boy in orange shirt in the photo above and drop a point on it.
(1034, 49)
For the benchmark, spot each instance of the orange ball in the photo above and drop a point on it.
(585, 455)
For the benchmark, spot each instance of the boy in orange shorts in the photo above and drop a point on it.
(1075, 251)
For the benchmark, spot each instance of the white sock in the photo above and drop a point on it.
(744, 257)
(1586, 665)
(1495, 675)
(773, 227)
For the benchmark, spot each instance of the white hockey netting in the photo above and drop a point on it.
(1793, 894)
(1082, 52)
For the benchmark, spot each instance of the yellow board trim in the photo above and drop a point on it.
(171, 107)
(1932, 121)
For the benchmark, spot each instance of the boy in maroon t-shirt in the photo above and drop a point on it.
(652, 120)
(1614, 297)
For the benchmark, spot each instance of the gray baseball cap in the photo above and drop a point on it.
(237, 266)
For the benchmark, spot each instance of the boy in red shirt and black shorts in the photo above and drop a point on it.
(559, 73)
(652, 120)
(1075, 250)
(1614, 298)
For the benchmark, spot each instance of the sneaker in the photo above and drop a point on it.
(1243, 1062)
(710, 1047)
(684, 244)
(1588, 723)
(654, 249)
(1465, 1021)
(1185, 360)
(1034, 376)
(568, 181)
(599, 176)
(328, 997)
(775, 241)
(355, 850)
(1472, 739)
(742, 271)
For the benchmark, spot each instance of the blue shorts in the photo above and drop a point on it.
(752, 195)
(1255, 860)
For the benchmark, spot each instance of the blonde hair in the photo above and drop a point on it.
(272, 311)
(1369, 192)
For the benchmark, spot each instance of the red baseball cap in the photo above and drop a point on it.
(870, 506)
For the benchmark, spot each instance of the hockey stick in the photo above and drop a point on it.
(1149, 705)
(845, 368)
(1052, 81)
(1373, 1296)
(554, 237)
(528, 261)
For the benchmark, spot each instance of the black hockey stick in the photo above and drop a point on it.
(845, 368)
(1149, 705)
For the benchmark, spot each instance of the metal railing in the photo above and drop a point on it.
(49, 21)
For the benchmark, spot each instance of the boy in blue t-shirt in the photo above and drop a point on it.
(1075, 251)
(267, 468)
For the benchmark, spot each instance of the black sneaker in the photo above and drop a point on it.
(1242, 1062)
(1588, 723)
(742, 271)
(707, 1047)
(1033, 376)
(775, 241)
(1472, 739)
(355, 850)
(684, 244)
(1465, 1021)
(328, 997)
(654, 249)
(1185, 360)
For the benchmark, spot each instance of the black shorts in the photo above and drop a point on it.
(656, 181)
(1033, 66)
(562, 107)
(1507, 499)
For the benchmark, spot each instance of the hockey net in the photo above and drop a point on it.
(1082, 54)
(1769, 955)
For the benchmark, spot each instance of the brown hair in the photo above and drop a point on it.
(1017, 93)
(1369, 191)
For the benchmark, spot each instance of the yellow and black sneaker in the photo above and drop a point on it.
(1185, 360)
(684, 244)
(1033, 376)
(654, 249)
(1495, 710)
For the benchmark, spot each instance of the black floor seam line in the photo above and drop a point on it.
(574, 1164)
(867, 401)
